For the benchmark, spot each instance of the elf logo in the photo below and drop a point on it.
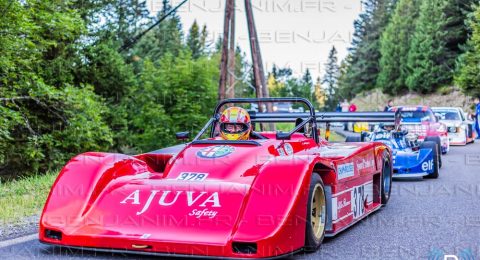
(427, 166)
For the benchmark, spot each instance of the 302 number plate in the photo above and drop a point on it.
(192, 176)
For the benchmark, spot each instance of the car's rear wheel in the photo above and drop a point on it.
(316, 214)
(436, 157)
(387, 173)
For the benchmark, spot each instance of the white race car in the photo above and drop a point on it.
(460, 129)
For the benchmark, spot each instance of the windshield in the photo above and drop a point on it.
(412, 116)
(448, 115)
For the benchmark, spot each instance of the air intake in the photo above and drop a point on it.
(244, 248)
(51, 234)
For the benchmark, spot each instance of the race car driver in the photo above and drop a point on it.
(388, 127)
(235, 124)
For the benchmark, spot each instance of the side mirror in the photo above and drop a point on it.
(283, 136)
(182, 135)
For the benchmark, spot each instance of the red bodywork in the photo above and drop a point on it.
(256, 194)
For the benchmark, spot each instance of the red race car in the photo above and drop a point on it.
(271, 195)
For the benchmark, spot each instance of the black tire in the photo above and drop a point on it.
(387, 175)
(314, 239)
(436, 158)
(436, 140)
(353, 139)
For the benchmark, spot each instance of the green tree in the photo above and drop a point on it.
(167, 37)
(44, 118)
(344, 90)
(196, 40)
(363, 67)
(428, 62)
(468, 76)
(457, 12)
(162, 103)
(330, 79)
(395, 45)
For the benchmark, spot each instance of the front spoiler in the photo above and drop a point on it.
(410, 175)
(159, 254)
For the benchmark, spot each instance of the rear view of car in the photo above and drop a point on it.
(410, 158)
(421, 120)
(460, 131)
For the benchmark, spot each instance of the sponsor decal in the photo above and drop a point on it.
(345, 170)
(168, 198)
(427, 166)
(192, 176)
(203, 213)
(383, 136)
(343, 203)
(365, 164)
(215, 151)
(288, 149)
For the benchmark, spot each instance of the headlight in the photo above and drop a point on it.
(452, 129)
(275, 108)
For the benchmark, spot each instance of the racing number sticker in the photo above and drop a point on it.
(358, 199)
(192, 176)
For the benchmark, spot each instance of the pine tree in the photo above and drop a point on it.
(456, 28)
(194, 41)
(167, 37)
(395, 45)
(114, 21)
(468, 76)
(364, 66)
(428, 64)
(330, 78)
(344, 90)
(320, 95)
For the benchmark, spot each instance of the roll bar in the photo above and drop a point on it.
(310, 117)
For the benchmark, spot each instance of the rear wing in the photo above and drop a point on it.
(327, 117)
(265, 114)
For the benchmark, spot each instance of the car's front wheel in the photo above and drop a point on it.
(316, 214)
(436, 158)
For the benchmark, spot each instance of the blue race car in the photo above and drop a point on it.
(410, 159)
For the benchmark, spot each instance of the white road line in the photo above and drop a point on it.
(18, 240)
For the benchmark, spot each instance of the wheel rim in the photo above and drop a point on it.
(317, 216)
(387, 180)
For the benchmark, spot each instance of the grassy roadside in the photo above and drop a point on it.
(24, 197)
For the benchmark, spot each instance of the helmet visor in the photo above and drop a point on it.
(234, 128)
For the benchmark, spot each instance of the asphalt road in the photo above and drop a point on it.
(425, 219)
